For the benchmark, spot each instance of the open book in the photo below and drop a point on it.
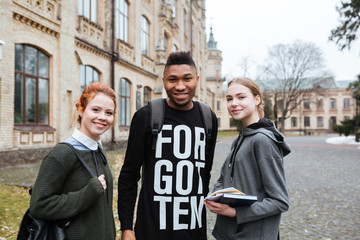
(232, 197)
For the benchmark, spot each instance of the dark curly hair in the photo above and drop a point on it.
(178, 58)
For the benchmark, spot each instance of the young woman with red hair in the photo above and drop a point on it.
(64, 190)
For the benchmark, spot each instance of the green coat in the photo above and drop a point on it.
(65, 190)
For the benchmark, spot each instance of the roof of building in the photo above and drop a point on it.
(343, 84)
(324, 83)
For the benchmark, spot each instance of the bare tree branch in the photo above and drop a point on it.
(290, 70)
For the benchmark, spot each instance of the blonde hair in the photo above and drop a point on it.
(254, 88)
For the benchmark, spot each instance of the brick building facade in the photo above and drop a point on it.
(52, 49)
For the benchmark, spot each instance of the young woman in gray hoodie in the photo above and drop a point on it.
(254, 166)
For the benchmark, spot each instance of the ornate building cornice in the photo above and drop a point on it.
(135, 68)
(35, 24)
(92, 49)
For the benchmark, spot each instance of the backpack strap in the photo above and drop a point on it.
(157, 115)
(207, 119)
(81, 159)
(28, 219)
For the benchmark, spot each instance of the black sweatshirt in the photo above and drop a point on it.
(175, 176)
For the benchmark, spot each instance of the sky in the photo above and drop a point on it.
(248, 28)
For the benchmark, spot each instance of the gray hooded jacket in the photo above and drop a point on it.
(255, 167)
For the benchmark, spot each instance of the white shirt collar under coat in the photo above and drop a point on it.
(85, 140)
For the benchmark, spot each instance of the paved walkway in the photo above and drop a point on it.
(324, 188)
(323, 182)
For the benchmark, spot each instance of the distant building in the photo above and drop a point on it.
(321, 108)
(51, 50)
(215, 83)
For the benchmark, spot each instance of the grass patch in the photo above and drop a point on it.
(116, 160)
(227, 134)
(14, 202)
(23, 176)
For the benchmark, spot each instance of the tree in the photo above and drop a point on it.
(291, 69)
(346, 32)
(346, 127)
(245, 64)
(267, 106)
(355, 89)
(238, 124)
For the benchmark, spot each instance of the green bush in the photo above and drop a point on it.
(338, 129)
(347, 127)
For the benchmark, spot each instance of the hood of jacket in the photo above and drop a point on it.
(267, 127)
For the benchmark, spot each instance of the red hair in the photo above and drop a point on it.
(90, 92)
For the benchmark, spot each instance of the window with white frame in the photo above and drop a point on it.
(122, 20)
(332, 120)
(307, 121)
(88, 9)
(147, 95)
(31, 103)
(124, 102)
(88, 75)
(320, 121)
(333, 103)
(306, 103)
(293, 122)
(218, 105)
(145, 36)
(346, 102)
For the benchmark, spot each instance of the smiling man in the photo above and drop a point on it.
(176, 173)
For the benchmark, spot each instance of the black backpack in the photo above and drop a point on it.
(157, 109)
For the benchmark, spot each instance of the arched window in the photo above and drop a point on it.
(88, 75)
(31, 86)
(147, 95)
(122, 20)
(145, 36)
(88, 9)
(124, 102)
